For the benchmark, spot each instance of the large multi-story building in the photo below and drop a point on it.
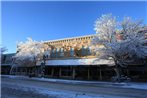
(74, 58)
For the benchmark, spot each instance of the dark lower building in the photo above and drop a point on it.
(6, 63)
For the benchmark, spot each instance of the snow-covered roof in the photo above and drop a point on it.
(68, 62)
(5, 64)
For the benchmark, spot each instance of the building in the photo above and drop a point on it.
(6, 63)
(74, 58)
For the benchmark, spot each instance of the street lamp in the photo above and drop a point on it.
(43, 66)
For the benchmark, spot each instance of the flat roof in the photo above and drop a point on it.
(70, 38)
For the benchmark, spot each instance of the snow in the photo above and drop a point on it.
(136, 86)
(58, 93)
(76, 95)
(6, 64)
(122, 41)
(66, 94)
(67, 62)
(133, 85)
(123, 85)
(44, 93)
(29, 52)
(53, 92)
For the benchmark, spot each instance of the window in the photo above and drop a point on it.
(88, 50)
(83, 51)
(71, 52)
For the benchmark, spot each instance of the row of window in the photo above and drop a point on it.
(71, 53)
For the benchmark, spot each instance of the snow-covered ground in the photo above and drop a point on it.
(28, 91)
(25, 87)
(51, 93)
(66, 94)
(133, 85)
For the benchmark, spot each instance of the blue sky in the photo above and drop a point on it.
(55, 20)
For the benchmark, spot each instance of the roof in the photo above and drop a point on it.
(9, 54)
(6, 64)
(70, 38)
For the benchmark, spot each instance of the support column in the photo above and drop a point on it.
(37, 70)
(26, 72)
(16, 71)
(60, 72)
(19, 71)
(100, 73)
(52, 71)
(88, 73)
(128, 74)
(73, 73)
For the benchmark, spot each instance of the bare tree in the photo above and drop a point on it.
(3, 49)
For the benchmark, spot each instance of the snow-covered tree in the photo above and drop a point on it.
(29, 52)
(122, 41)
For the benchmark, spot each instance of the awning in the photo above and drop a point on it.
(68, 62)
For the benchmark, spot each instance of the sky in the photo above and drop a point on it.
(48, 20)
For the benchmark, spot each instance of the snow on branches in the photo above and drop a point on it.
(123, 42)
(29, 52)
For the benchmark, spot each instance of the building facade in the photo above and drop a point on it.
(71, 47)
(74, 58)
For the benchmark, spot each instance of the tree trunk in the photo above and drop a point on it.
(118, 74)
(11, 69)
(117, 70)
(88, 72)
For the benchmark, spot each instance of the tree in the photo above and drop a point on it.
(122, 42)
(29, 52)
(3, 49)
